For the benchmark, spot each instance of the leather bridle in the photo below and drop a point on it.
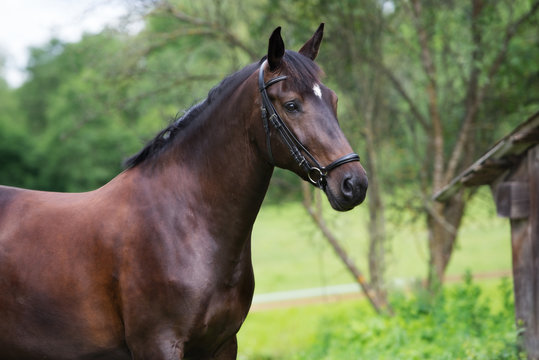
(316, 173)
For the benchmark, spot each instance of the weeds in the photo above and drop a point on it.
(459, 323)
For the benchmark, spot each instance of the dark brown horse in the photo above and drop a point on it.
(156, 264)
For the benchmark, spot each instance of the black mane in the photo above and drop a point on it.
(166, 136)
(302, 73)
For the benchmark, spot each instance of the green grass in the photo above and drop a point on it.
(468, 321)
(290, 253)
(276, 333)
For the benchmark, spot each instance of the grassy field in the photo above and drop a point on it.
(289, 253)
(469, 321)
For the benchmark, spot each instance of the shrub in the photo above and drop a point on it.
(460, 323)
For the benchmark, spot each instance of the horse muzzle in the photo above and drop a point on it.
(348, 190)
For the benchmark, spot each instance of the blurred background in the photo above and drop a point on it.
(425, 87)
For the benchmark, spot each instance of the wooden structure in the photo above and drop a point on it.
(511, 169)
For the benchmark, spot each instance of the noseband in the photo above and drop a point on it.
(315, 172)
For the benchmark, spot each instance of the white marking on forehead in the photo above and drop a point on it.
(317, 91)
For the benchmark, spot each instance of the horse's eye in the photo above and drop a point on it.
(291, 106)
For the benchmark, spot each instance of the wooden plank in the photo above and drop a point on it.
(523, 279)
(513, 144)
(521, 252)
(524, 256)
(512, 199)
(530, 137)
(532, 333)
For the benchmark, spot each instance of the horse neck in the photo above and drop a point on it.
(215, 167)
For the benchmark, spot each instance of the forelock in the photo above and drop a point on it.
(302, 72)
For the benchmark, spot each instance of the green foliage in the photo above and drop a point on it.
(77, 140)
(462, 322)
(120, 88)
(17, 165)
(88, 105)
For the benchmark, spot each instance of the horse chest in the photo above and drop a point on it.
(205, 299)
(220, 299)
(219, 315)
(207, 315)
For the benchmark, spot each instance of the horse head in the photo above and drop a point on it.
(302, 132)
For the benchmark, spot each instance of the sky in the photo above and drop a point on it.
(30, 23)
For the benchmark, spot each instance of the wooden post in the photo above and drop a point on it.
(511, 168)
(517, 198)
(532, 338)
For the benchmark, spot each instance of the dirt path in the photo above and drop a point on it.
(329, 294)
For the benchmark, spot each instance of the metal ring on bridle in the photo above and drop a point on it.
(319, 175)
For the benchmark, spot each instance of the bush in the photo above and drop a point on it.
(460, 323)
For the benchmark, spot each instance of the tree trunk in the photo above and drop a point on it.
(377, 231)
(379, 304)
(443, 222)
(377, 239)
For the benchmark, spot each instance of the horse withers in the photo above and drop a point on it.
(156, 264)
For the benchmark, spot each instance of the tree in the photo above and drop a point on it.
(17, 167)
(447, 65)
(459, 51)
(78, 139)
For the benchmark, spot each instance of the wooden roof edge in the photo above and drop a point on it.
(497, 151)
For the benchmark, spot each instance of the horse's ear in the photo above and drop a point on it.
(310, 49)
(275, 49)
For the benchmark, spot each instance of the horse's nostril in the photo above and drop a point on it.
(354, 189)
(347, 188)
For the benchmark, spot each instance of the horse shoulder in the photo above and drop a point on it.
(7, 196)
